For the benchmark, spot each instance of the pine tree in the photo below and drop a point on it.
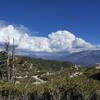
(7, 60)
(7, 50)
(3, 67)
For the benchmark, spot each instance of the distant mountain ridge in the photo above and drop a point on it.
(86, 58)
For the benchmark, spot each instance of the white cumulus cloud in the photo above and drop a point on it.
(9, 32)
(55, 42)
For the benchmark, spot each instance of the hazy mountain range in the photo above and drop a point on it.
(85, 57)
(88, 58)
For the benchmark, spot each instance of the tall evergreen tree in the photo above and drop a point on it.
(7, 60)
(3, 66)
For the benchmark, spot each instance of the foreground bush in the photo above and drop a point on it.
(80, 88)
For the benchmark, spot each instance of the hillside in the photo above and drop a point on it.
(34, 65)
(67, 84)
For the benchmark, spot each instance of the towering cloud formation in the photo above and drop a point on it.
(55, 42)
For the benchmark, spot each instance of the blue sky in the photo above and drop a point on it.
(81, 17)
